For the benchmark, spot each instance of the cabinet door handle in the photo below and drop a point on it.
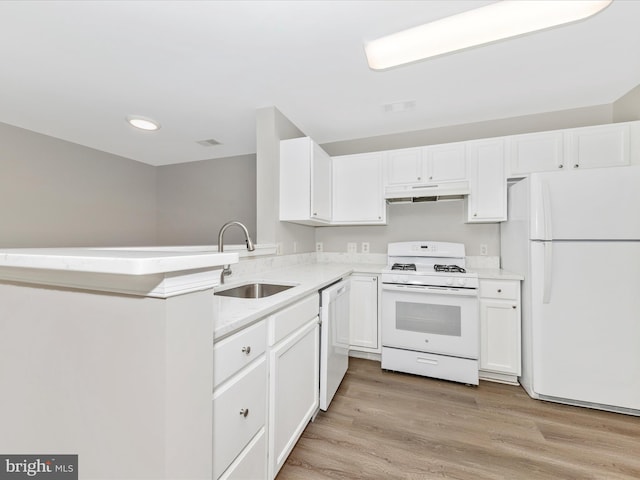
(246, 349)
(576, 165)
(560, 166)
(514, 306)
(244, 412)
(419, 178)
(499, 290)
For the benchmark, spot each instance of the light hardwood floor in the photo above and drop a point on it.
(384, 425)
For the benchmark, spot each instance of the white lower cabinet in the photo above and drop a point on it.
(266, 390)
(293, 388)
(240, 404)
(239, 414)
(500, 328)
(363, 315)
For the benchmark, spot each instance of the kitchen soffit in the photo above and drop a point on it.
(73, 70)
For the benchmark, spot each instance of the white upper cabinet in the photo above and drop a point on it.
(305, 182)
(487, 201)
(445, 162)
(357, 190)
(586, 147)
(600, 146)
(535, 152)
(404, 166)
(435, 163)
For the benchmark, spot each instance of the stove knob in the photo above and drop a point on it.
(462, 281)
(449, 281)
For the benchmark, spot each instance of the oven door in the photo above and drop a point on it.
(431, 319)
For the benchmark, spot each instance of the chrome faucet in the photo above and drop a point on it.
(226, 270)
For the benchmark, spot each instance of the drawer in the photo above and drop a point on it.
(505, 289)
(238, 350)
(251, 464)
(239, 412)
(290, 319)
(461, 370)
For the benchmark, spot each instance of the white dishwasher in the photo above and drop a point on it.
(334, 339)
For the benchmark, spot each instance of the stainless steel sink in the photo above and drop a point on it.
(254, 290)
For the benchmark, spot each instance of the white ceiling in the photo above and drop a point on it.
(75, 69)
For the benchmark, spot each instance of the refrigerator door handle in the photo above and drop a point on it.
(548, 268)
(546, 212)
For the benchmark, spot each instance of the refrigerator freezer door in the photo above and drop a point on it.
(585, 339)
(594, 204)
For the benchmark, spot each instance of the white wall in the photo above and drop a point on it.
(195, 199)
(437, 221)
(56, 193)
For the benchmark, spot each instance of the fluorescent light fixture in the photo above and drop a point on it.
(143, 123)
(497, 21)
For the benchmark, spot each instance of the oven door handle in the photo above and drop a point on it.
(466, 292)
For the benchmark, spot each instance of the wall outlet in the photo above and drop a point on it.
(484, 250)
(352, 247)
(319, 247)
(365, 247)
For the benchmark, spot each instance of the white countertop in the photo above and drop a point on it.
(496, 274)
(232, 314)
(113, 260)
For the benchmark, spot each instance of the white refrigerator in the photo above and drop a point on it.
(575, 237)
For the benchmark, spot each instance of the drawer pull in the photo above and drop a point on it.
(514, 306)
(499, 290)
(244, 412)
(246, 350)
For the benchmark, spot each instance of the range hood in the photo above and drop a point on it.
(427, 192)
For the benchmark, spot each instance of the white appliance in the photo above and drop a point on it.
(575, 237)
(430, 312)
(334, 339)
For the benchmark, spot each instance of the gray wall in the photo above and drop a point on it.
(195, 199)
(627, 107)
(56, 193)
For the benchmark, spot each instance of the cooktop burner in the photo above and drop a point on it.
(404, 266)
(449, 268)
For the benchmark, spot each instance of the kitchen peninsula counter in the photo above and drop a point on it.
(107, 354)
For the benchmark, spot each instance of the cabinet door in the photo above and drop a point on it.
(293, 391)
(536, 152)
(500, 336)
(404, 166)
(357, 189)
(446, 162)
(363, 326)
(487, 201)
(600, 146)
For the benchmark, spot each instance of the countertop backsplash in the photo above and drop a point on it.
(250, 267)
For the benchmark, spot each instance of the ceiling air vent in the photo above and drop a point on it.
(209, 143)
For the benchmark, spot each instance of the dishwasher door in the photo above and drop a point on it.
(334, 339)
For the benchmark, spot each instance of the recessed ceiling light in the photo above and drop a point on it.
(497, 21)
(143, 123)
